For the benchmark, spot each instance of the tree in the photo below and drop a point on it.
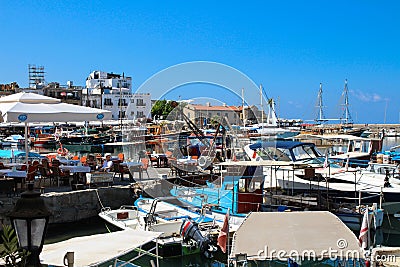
(163, 108)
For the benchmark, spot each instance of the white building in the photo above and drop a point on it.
(112, 92)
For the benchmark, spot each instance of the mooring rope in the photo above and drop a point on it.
(98, 197)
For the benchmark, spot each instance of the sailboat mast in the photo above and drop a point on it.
(243, 112)
(320, 115)
(346, 114)
(262, 107)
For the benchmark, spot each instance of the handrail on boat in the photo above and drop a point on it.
(150, 215)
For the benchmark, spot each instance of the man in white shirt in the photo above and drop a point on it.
(107, 163)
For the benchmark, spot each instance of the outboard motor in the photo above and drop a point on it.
(190, 230)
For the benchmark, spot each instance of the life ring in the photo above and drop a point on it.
(62, 151)
(204, 161)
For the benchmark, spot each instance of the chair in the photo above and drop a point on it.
(44, 174)
(115, 168)
(30, 175)
(23, 168)
(83, 159)
(2, 166)
(145, 166)
(60, 175)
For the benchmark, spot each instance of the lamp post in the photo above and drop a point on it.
(29, 218)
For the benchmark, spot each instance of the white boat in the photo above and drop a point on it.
(14, 140)
(344, 184)
(179, 227)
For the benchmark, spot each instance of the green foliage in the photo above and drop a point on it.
(163, 108)
(12, 255)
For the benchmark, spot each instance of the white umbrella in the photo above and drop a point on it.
(30, 107)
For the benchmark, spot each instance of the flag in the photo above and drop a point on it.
(326, 161)
(222, 237)
(363, 237)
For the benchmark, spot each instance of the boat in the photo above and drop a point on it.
(238, 191)
(172, 221)
(318, 174)
(14, 140)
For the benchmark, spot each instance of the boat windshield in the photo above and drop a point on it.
(304, 153)
(273, 153)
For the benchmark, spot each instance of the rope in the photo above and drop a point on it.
(98, 197)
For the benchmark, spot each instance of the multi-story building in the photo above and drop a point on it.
(112, 92)
(69, 94)
(202, 114)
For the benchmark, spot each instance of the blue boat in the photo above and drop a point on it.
(240, 192)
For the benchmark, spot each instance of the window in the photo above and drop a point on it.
(108, 102)
(139, 102)
(121, 114)
(122, 103)
(140, 114)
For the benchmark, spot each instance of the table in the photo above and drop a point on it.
(75, 169)
(71, 162)
(7, 186)
(161, 158)
(19, 176)
(134, 167)
(99, 178)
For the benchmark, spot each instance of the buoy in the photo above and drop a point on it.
(62, 151)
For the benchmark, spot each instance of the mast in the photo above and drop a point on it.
(243, 112)
(262, 107)
(320, 115)
(346, 113)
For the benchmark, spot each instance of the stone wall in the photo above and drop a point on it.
(77, 205)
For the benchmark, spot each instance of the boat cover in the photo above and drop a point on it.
(96, 249)
(263, 234)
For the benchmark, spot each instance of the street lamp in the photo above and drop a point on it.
(29, 218)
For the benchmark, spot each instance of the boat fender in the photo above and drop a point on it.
(190, 230)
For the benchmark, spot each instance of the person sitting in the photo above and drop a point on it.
(91, 162)
(107, 163)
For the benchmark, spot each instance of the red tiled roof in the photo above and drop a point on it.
(215, 108)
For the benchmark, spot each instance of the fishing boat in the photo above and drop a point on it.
(172, 221)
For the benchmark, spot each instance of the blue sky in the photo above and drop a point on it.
(289, 47)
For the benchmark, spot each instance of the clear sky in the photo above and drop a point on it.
(289, 47)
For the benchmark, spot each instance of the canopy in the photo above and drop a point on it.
(31, 107)
(277, 235)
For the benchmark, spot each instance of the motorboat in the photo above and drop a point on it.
(14, 140)
(172, 221)
(318, 174)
